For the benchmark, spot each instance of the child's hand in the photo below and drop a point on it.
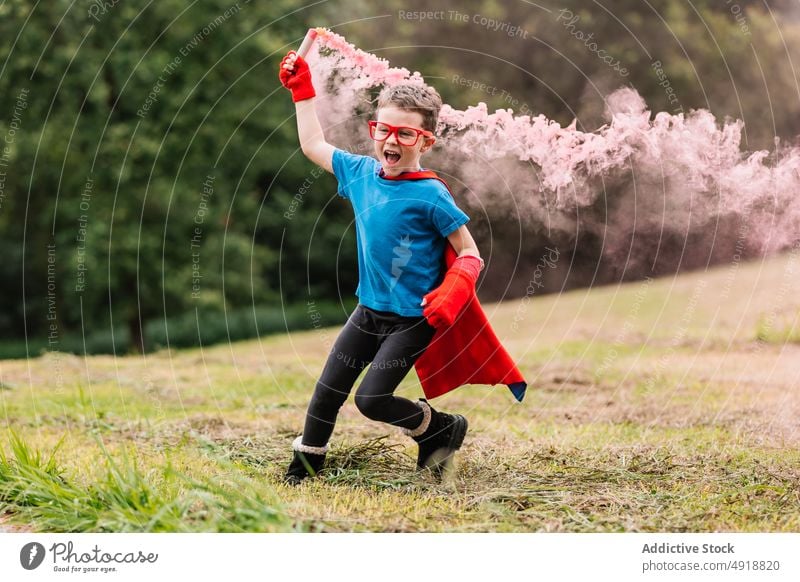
(443, 304)
(296, 76)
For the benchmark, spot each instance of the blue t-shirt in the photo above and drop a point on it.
(401, 227)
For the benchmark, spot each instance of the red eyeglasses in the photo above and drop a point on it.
(407, 136)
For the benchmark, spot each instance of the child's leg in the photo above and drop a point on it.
(352, 351)
(375, 396)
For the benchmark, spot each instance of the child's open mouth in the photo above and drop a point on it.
(391, 157)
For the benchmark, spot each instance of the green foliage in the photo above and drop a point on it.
(207, 327)
(203, 326)
(155, 154)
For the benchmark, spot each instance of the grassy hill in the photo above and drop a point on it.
(660, 405)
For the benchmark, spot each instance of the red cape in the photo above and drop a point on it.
(467, 352)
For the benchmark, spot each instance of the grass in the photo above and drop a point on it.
(779, 327)
(670, 406)
(123, 497)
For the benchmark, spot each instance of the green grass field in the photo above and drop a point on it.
(662, 405)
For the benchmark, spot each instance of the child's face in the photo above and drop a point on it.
(395, 157)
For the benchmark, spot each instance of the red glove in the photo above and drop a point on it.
(298, 81)
(443, 304)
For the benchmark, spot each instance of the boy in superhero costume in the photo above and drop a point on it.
(418, 265)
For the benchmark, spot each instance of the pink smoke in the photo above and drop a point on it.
(688, 169)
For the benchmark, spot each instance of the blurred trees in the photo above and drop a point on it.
(732, 57)
(155, 157)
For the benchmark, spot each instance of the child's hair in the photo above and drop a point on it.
(410, 97)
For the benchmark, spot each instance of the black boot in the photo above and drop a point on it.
(307, 462)
(438, 436)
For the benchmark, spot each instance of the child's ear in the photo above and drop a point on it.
(428, 144)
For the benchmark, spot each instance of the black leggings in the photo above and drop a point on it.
(386, 342)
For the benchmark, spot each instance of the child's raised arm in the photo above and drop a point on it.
(296, 76)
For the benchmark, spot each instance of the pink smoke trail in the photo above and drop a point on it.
(696, 162)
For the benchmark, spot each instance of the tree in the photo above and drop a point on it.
(141, 159)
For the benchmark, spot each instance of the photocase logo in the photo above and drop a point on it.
(31, 555)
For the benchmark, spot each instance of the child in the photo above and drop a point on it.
(402, 227)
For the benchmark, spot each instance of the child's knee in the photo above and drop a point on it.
(370, 405)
